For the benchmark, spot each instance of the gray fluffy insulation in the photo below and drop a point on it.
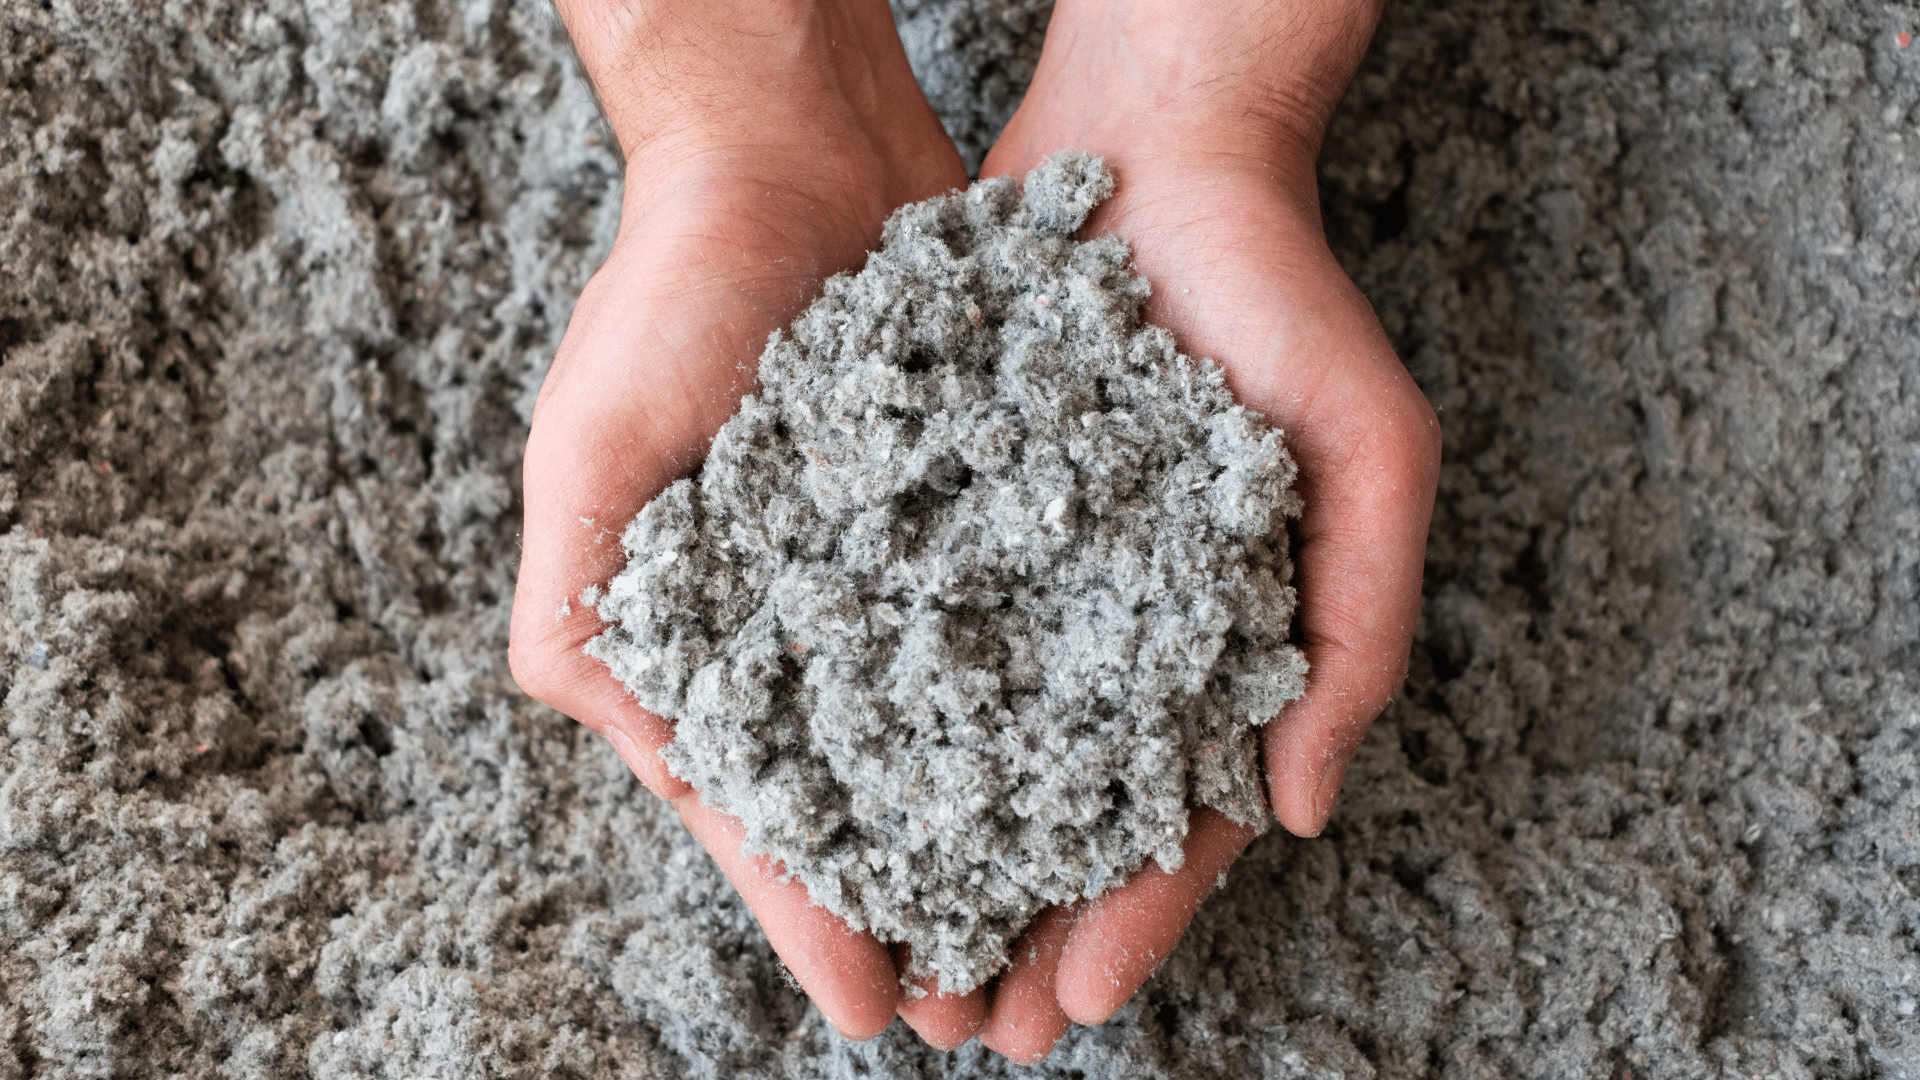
(278, 282)
(979, 591)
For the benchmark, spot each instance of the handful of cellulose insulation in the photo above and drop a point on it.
(979, 592)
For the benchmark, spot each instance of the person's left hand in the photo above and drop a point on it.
(1211, 118)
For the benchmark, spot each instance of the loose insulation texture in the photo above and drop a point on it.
(281, 280)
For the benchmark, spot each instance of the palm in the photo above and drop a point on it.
(1252, 284)
(657, 356)
(1241, 274)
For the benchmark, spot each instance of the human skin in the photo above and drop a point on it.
(766, 143)
(1211, 115)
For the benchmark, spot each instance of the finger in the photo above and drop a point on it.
(1359, 610)
(848, 975)
(1363, 541)
(945, 1021)
(1024, 1019)
(1120, 938)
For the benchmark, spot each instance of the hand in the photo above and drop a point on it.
(766, 144)
(1211, 117)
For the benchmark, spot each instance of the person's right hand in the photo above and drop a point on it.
(766, 144)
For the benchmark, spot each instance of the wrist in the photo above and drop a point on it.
(1232, 81)
(740, 75)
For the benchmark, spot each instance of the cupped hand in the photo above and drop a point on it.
(766, 144)
(1211, 116)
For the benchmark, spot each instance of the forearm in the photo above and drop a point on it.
(723, 75)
